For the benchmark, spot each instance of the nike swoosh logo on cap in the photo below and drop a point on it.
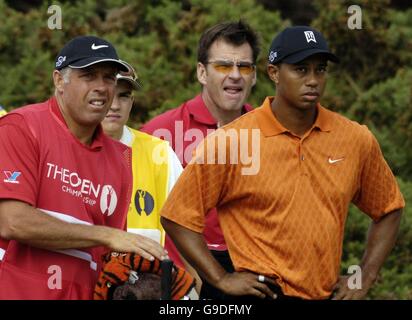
(330, 160)
(94, 47)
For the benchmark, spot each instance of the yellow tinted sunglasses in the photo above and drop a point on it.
(226, 67)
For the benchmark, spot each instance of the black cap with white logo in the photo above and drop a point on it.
(85, 51)
(295, 44)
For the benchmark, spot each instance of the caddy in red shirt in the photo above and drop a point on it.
(65, 186)
(43, 169)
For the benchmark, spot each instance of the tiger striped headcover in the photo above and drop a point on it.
(116, 270)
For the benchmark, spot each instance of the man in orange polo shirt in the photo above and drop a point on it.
(284, 223)
(225, 89)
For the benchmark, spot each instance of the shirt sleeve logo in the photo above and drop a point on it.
(11, 177)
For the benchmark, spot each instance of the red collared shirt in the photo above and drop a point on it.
(43, 164)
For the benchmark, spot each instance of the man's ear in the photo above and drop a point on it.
(273, 72)
(201, 73)
(58, 81)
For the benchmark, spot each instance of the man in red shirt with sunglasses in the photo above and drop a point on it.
(226, 69)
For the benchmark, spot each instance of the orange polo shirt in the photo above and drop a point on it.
(285, 220)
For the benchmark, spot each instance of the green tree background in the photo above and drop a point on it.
(372, 84)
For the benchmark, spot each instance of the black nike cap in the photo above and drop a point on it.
(84, 51)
